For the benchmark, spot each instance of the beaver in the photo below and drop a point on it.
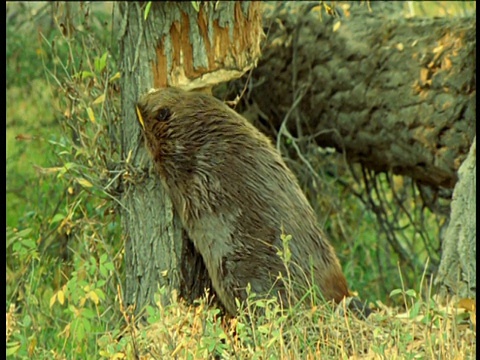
(236, 198)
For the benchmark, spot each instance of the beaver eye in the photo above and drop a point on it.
(163, 114)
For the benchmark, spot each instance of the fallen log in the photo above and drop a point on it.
(394, 93)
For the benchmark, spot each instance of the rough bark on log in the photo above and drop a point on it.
(394, 94)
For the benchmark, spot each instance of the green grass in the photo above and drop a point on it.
(30, 126)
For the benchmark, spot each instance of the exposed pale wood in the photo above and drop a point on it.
(201, 49)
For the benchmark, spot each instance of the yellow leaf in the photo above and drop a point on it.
(115, 77)
(336, 26)
(99, 100)
(61, 297)
(91, 115)
(94, 297)
(115, 356)
(467, 304)
(129, 156)
(40, 52)
(31, 346)
(140, 118)
(48, 171)
(53, 299)
(66, 331)
(84, 183)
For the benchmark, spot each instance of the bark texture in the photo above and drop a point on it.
(457, 271)
(156, 252)
(394, 94)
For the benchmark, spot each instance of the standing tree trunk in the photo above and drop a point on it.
(172, 44)
(457, 271)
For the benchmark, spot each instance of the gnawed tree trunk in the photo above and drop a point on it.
(176, 46)
(457, 271)
(394, 94)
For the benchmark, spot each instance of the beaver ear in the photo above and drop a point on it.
(163, 114)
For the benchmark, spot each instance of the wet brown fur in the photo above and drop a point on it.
(235, 196)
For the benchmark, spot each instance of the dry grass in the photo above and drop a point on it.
(425, 331)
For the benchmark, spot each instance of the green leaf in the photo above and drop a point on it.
(100, 294)
(150, 310)
(27, 321)
(83, 75)
(103, 271)
(12, 347)
(260, 304)
(87, 314)
(263, 329)
(57, 218)
(80, 331)
(286, 237)
(147, 10)
(415, 309)
(211, 346)
(101, 62)
(196, 5)
(87, 325)
(109, 266)
(23, 233)
(395, 292)
(412, 293)
(29, 244)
